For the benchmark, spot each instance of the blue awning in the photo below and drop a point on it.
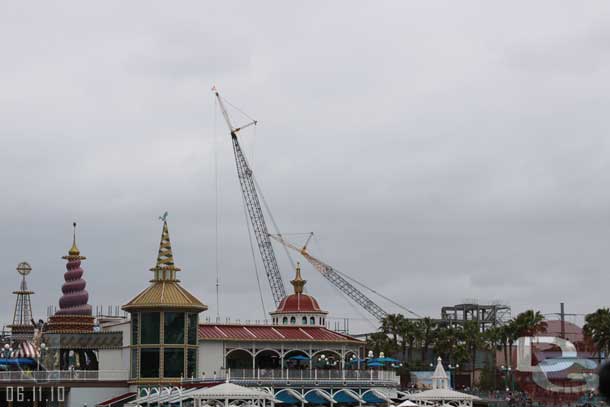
(17, 361)
(345, 396)
(315, 397)
(385, 360)
(287, 398)
(370, 397)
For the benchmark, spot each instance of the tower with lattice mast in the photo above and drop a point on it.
(22, 328)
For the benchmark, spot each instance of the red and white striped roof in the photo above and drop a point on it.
(26, 350)
(271, 333)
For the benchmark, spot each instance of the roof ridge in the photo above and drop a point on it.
(278, 332)
(302, 330)
(144, 291)
(221, 331)
(250, 332)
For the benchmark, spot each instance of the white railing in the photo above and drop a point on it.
(309, 375)
(63, 375)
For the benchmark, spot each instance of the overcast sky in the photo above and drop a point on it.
(441, 151)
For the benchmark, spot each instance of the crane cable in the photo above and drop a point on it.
(315, 238)
(258, 280)
(260, 290)
(379, 294)
(216, 206)
(259, 190)
(276, 229)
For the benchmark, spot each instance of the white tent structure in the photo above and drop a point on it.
(441, 394)
(222, 395)
(231, 395)
(157, 396)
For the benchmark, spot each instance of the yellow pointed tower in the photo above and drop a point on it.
(164, 324)
(165, 270)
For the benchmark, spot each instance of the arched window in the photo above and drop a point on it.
(312, 321)
(285, 320)
(304, 321)
(293, 320)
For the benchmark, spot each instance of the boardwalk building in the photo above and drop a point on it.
(161, 353)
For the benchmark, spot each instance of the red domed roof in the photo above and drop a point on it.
(298, 302)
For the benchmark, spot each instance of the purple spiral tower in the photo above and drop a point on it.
(74, 313)
(75, 298)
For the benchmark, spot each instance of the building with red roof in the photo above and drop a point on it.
(299, 308)
(298, 337)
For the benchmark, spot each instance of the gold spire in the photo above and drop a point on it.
(74, 253)
(74, 249)
(165, 258)
(298, 283)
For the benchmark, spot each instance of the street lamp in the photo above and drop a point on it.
(5, 351)
(452, 369)
(41, 356)
(508, 376)
(322, 359)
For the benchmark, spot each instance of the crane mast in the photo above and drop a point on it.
(337, 280)
(255, 212)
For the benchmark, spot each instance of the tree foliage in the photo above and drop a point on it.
(597, 328)
(460, 344)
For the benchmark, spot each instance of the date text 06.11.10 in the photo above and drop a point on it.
(34, 393)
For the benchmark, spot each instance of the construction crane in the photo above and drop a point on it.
(337, 279)
(255, 212)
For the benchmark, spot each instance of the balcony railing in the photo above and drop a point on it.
(42, 376)
(246, 376)
(267, 376)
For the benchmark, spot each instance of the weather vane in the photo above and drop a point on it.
(164, 217)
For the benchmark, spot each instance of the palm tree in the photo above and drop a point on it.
(449, 344)
(506, 332)
(494, 339)
(379, 342)
(512, 333)
(597, 327)
(408, 332)
(426, 327)
(390, 324)
(529, 323)
(473, 340)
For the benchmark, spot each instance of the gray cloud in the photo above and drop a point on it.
(440, 151)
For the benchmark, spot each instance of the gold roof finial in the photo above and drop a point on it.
(298, 283)
(165, 257)
(74, 249)
(74, 253)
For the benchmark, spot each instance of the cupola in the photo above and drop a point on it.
(299, 309)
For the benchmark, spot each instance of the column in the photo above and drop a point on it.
(310, 357)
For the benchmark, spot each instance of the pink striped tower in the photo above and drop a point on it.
(74, 314)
